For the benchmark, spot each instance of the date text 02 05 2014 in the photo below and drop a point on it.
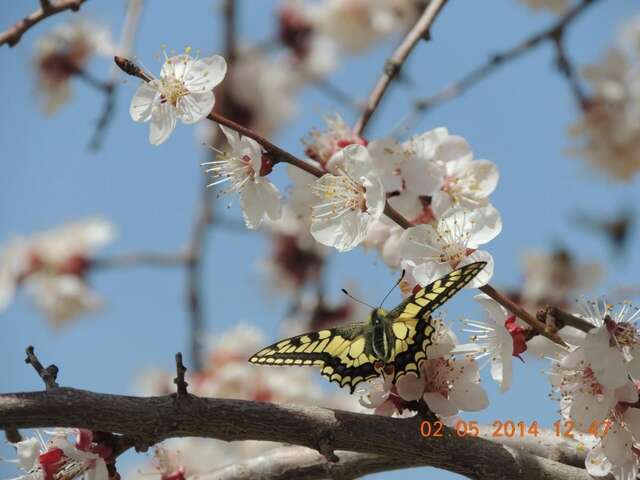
(510, 429)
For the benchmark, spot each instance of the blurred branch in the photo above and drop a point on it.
(13, 34)
(149, 420)
(554, 33)
(420, 31)
(127, 36)
(558, 318)
(140, 259)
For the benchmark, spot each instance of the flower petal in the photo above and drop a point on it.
(142, 102)
(205, 73)
(163, 121)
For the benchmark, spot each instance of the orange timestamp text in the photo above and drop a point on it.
(509, 429)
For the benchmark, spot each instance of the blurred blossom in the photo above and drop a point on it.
(259, 92)
(433, 250)
(296, 259)
(555, 6)
(355, 24)
(609, 130)
(184, 91)
(63, 53)
(53, 267)
(555, 278)
(228, 374)
(348, 203)
(245, 169)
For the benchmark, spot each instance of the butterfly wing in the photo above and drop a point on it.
(413, 325)
(339, 352)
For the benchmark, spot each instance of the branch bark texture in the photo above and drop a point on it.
(150, 420)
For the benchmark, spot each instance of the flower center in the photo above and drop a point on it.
(236, 170)
(343, 194)
(172, 90)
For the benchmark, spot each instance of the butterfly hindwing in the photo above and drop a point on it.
(339, 352)
(413, 336)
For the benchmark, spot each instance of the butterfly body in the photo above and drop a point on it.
(391, 342)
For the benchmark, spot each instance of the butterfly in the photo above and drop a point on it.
(394, 343)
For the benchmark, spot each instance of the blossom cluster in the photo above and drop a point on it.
(52, 266)
(608, 133)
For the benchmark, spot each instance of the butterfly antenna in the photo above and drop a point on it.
(392, 288)
(356, 300)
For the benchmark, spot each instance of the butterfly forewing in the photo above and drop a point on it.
(339, 352)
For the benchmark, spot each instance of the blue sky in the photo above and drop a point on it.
(518, 119)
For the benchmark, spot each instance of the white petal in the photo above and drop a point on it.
(441, 202)
(454, 149)
(270, 199)
(597, 463)
(428, 272)
(163, 121)
(27, 452)
(196, 106)
(496, 312)
(253, 210)
(343, 233)
(617, 444)
(440, 405)
(487, 224)
(469, 396)
(176, 66)
(422, 177)
(142, 102)
(233, 139)
(205, 73)
(485, 173)
(420, 242)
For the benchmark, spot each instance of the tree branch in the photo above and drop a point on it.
(397, 59)
(12, 35)
(48, 375)
(150, 420)
(140, 259)
(480, 72)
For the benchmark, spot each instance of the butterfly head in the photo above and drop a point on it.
(377, 316)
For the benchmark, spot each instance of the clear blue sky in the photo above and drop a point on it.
(518, 119)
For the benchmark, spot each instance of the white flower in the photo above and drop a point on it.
(555, 6)
(494, 340)
(350, 201)
(243, 169)
(616, 452)
(584, 400)
(423, 169)
(613, 346)
(184, 91)
(53, 267)
(446, 385)
(63, 53)
(434, 250)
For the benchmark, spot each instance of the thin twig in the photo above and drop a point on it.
(181, 384)
(397, 59)
(48, 375)
(480, 72)
(565, 319)
(12, 35)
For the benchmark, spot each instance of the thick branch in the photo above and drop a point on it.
(477, 74)
(397, 59)
(13, 34)
(153, 419)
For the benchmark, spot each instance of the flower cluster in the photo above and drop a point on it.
(609, 130)
(60, 459)
(432, 179)
(597, 382)
(53, 267)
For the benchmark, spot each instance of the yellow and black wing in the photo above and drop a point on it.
(413, 326)
(339, 352)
